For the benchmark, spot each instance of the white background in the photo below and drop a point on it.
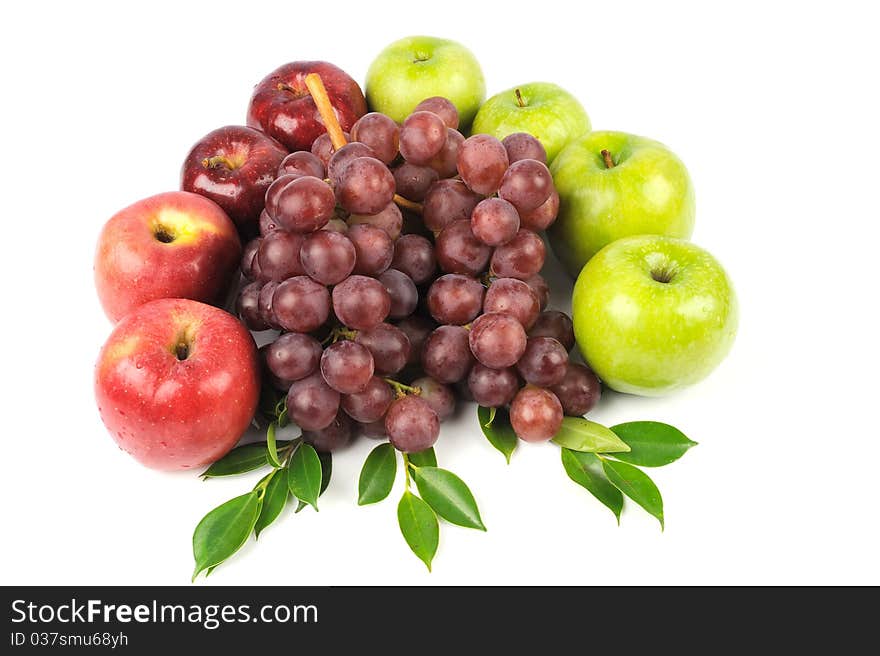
(773, 107)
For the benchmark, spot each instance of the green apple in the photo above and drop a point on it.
(653, 314)
(544, 110)
(613, 185)
(419, 67)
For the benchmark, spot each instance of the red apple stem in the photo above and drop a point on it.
(216, 162)
(337, 136)
(609, 163)
(519, 99)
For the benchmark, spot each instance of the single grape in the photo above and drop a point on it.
(275, 188)
(360, 302)
(304, 204)
(371, 404)
(247, 305)
(347, 366)
(417, 329)
(323, 149)
(459, 251)
(266, 304)
(311, 403)
(442, 108)
(513, 297)
(492, 388)
(278, 256)
(388, 345)
(365, 186)
(374, 249)
(497, 340)
(446, 355)
(249, 264)
(447, 201)
(522, 257)
(301, 304)
(543, 216)
(267, 223)
(378, 132)
(482, 162)
(522, 145)
(414, 255)
(535, 414)
(345, 156)
(302, 162)
(268, 377)
(494, 221)
(338, 435)
(422, 135)
(327, 257)
(557, 325)
(403, 292)
(413, 181)
(540, 287)
(455, 299)
(412, 425)
(437, 395)
(293, 356)
(578, 391)
(375, 430)
(388, 219)
(543, 363)
(526, 184)
(446, 161)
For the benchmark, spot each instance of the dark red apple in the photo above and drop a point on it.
(233, 166)
(172, 245)
(282, 107)
(177, 383)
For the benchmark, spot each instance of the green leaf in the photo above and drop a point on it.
(271, 446)
(241, 459)
(448, 495)
(495, 424)
(635, 484)
(419, 527)
(224, 530)
(586, 470)
(651, 443)
(304, 475)
(426, 458)
(283, 418)
(579, 434)
(274, 500)
(326, 470)
(377, 475)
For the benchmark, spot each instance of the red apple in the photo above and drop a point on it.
(282, 107)
(177, 383)
(233, 166)
(172, 245)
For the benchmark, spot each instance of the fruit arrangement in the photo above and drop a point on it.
(391, 266)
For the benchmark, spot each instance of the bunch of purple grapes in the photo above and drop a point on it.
(403, 268)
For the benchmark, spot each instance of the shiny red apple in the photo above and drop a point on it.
(172, 245)
(177, 383)
(282, 107)
(233, 166)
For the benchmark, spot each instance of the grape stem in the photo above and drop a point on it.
(322, 101)
(402, 390)
(337, 136)
(406, 466)
(609, 163)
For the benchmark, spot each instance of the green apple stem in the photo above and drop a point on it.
(609, 163)
(337, 136)
(519, 99)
